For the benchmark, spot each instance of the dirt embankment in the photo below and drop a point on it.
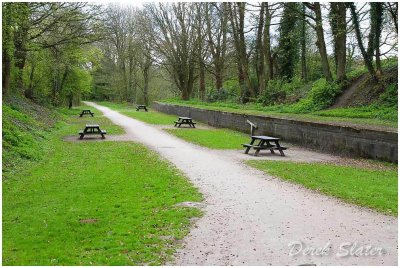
(364, 91)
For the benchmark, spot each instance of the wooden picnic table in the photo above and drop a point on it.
(264, 144)
(139, 107)
(184, 121)
(86, 112)
(91, 130)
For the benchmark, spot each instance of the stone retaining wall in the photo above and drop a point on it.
(343, 140)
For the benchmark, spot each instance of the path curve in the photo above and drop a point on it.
(347, 95)
(250, 217)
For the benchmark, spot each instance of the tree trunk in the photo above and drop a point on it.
(146, 84)
(20, 58)
(7, 47)
(338, 25)
(267, 44)
(303, 47)
(393, 8)
(202, 81)
(321, 42)
(260, 52)
(243, 54)
(29, 90)
(377, 17)
(70, 101)
(366, 56)
(240, 46)
(218, 76)
(6, 72)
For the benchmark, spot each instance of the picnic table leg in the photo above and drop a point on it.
(81, 136)
(192, 125)
(248, 148)
(271, 150)
(261, 143)
(279, 148)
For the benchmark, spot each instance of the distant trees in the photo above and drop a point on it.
(236, 15)
(59, 51)
(216, 16)
(54, 30)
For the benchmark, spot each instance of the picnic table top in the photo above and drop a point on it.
(85, 110)
(185, 118)
(141, 105)
(265, 138)
(92, 125)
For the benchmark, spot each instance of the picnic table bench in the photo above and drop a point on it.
(139, 107)
(184, 121)
(86, 112)
(264, 144)
(91, 130)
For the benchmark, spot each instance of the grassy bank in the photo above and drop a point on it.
(370, 116)
(94, 203)
(150, 117)
(210, 138)
(376, 189)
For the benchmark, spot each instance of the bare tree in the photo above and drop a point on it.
(318, 26)
(216, 15)
(237, 13)
(175, 40)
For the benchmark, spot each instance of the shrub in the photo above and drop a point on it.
(218, 95)
(280, 91)
(273, 93)
(389, 96)
(321, 95)
(232, 86)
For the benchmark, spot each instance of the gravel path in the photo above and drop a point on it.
(251, 218)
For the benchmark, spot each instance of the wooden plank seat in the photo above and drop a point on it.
(89, 133)
(258, 147)
(178, 122)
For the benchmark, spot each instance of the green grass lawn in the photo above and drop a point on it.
(150, 117)
(94, 203)
(349, 116)
(376, 189)
(212, 138)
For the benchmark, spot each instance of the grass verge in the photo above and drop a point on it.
(347, 117)
(212, 138)
(376, 189)
(150, 117)
(94, 203)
